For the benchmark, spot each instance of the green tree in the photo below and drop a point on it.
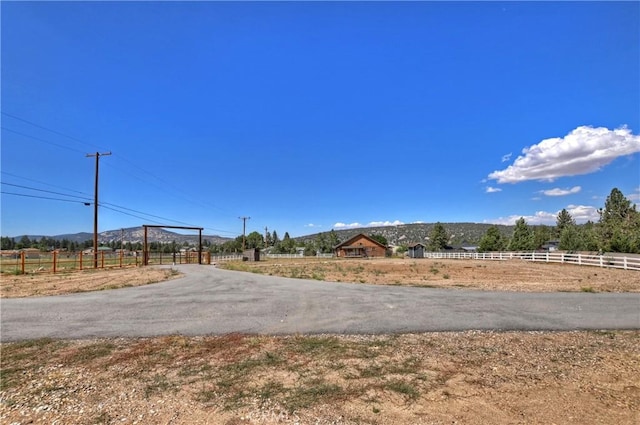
(571, 239)
(541, 235)
(522, 239)
(379, 238)
(7, 243)
(333, 240)
(254, 240)
(24, 242)
(619, 224)
(438, 238)
(321, 243)
(563, 220)
(492, 240)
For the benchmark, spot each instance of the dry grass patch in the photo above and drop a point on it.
(468, 377)
(508, 275)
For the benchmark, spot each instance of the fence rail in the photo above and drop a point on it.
(56, 262)
(616, 261)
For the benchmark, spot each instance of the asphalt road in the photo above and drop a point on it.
(212, 301)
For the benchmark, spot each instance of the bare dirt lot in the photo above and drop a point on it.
(512, 275)
(460, 377)
(38, 284)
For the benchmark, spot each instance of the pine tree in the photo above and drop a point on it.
(522, 239)
(619, 224)
(492, 240)
(438, 238)
(563, 220)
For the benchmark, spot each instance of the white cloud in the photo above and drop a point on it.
(583, 213)
(561, 192)
(584, 150)
(506, 157)
(370, 224)
(580, 213)
(385, 223)
(312, 225)
(635, 196)
(346, 226)
(493, 189)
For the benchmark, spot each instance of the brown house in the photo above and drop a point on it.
(360, 245)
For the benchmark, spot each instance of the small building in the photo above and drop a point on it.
(252, 254)
(360, 246)
(416, 250)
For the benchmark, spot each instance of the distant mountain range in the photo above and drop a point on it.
(461, 234)
(133, 235)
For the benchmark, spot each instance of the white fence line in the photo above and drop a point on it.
(228, 257)
(616, 261)
(300, 255)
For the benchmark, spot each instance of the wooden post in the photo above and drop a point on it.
(200, 246)
(102, 259)
(145, 259)
(22, 259)
(81, 254)
(55, 255)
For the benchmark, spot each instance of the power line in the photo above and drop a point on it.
(113, 207)
(49, 129)
(165, 183)
(177, 192)
(41, 140)
(42, 190)
(41, 182)
(44, 197)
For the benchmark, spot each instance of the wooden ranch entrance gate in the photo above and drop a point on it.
(145, 248)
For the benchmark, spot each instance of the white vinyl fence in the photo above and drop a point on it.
(616, 261)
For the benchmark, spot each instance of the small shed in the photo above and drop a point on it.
(252, 254)
(416, 250)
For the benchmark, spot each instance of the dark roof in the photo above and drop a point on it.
(347, 243)
(413, 245)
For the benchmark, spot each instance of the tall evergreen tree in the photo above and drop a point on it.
(619, 224)
(522, 239)
(492, 240)
(571, 239)
(438, 238)
(563, 220)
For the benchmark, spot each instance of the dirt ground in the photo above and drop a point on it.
(512, 275)
(435, 378)
(39, 284)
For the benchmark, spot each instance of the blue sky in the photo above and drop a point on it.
(308, 116)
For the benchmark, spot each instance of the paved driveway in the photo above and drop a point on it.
(213, 301)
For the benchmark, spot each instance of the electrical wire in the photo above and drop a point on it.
(41, 140)
(44, 183)
(50, 129)
(107, 205)
(44, 197)
(166, 184)
(46, 191)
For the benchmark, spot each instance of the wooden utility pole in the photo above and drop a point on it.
(95, 208)
(244, 229)
(266, 237)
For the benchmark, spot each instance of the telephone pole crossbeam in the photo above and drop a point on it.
(97, 155)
